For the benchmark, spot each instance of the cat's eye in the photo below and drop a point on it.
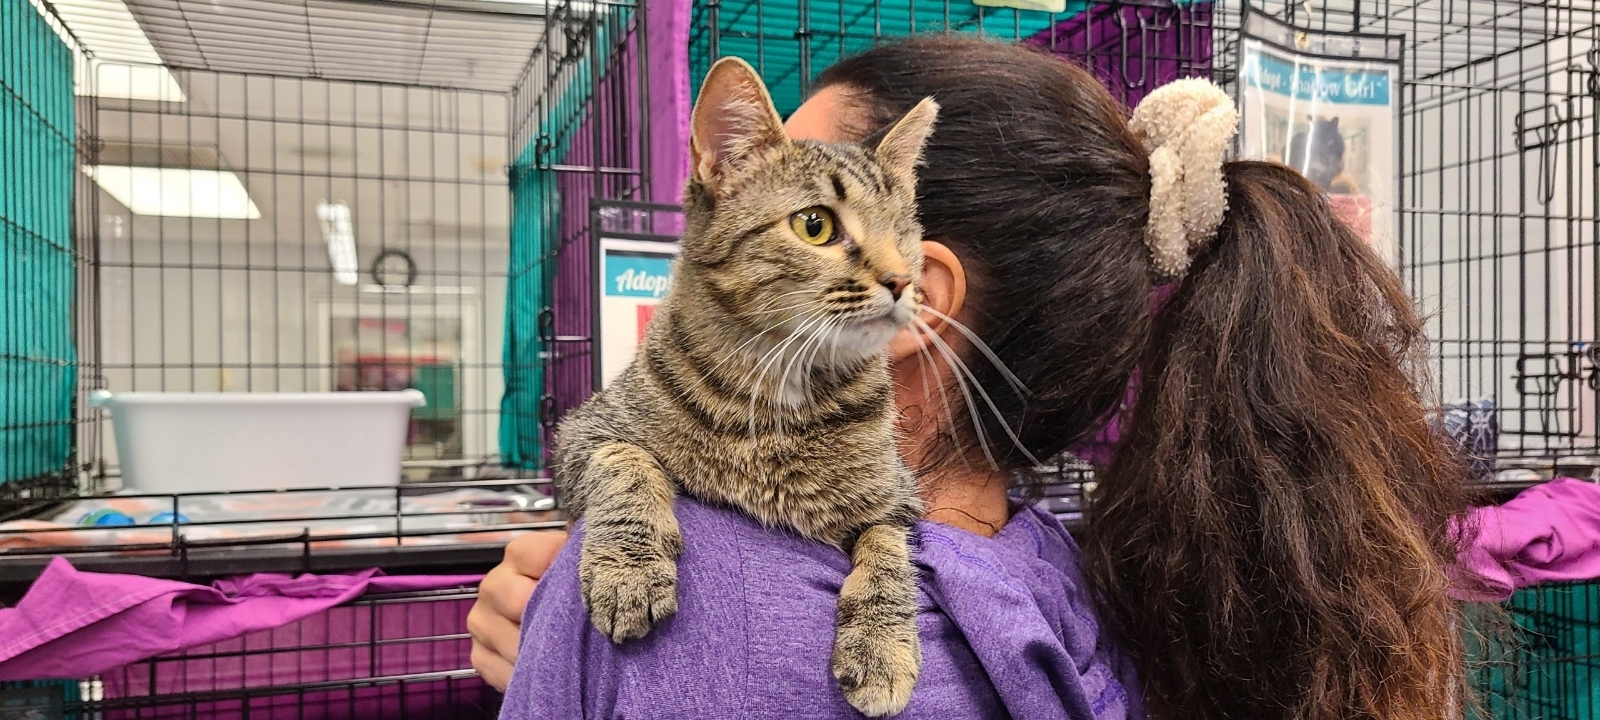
(814, 225)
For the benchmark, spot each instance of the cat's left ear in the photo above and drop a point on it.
(733, 121)
(901, 148)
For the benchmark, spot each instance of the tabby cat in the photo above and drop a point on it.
(762, 383)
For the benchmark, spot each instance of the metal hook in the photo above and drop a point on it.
(1544, 136)
(1122, 40)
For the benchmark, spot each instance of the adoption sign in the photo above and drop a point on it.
(634, 275)
(1316, 80)
(1330, 111)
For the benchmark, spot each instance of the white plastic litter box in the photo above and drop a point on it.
(209, 442)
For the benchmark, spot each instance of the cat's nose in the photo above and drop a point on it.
(896, 283)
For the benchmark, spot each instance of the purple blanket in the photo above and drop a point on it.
(1548, 533)
(74, 624)
(1006, 625)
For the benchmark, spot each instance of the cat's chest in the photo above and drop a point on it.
(856, 454)
(822, 488)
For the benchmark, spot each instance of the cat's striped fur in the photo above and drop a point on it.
(762, 384)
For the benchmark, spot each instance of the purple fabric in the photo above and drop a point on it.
(1006, 625)
(668, 85)
(1548, 533)
(1135, 48)
(74, 624)
(455, 699)
(351, 642)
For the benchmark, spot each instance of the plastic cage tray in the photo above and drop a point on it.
(410, 527)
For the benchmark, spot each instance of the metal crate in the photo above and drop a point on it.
(1547, 666)
(383, 656)
(344, 201)
(1499, 197)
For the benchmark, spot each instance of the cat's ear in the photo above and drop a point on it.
(733, 120)
(1335, 121)
(901, 147)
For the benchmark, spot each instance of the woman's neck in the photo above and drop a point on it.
(973, 501)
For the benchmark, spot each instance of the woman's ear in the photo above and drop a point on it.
(944, 288)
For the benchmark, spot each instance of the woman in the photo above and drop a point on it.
(1270, 538)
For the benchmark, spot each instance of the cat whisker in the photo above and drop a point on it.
(951, 356)
(735, 352)
(961, 384)
(783, 379)
(833, 346)
(774, 299)
(821, 337)
(768, 360)
(795, 306)
(944, 394)
(830, 341)
(766, 357)
(983, 347)
(701, 381)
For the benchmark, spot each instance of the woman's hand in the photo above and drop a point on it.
(496, 618)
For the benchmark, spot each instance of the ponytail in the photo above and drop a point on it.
(1273, 538)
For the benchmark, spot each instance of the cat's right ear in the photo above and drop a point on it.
(901, 148)
(733, 121)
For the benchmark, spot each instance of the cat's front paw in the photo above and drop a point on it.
(626, 598)
(876, 667)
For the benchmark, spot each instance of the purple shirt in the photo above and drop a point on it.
(1006, 625)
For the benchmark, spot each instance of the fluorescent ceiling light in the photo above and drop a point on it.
(341, 241)
(133, 82)
(577, 7)
(114, 59)
(176, 192)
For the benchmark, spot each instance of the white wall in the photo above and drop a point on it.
(205, 305)
(1501, 243)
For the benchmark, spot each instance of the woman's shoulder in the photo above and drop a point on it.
(787, 588)
(751, 635)
(754, 630)
(1021, 603)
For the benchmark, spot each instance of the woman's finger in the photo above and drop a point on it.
(495, 619)
(494, 636)
(492, 668)
(531, 553)
(505, 592)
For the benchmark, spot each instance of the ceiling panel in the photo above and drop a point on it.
(405, 43)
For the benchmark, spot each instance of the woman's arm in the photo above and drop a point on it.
(496, 618)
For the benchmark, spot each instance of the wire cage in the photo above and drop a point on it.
(389, 655)
(360, 195)
(1498, 197)
(1497, 216)
(326, 195)
(283, 197)
(1548, 665)
(589, 109)
(39, 260)
(237, 197)
(1133, 46)
(347, 228)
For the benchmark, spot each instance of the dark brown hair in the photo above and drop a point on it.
(1272, 540)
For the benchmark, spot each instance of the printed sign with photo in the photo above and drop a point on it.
(634, 276)
(1333, 119)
